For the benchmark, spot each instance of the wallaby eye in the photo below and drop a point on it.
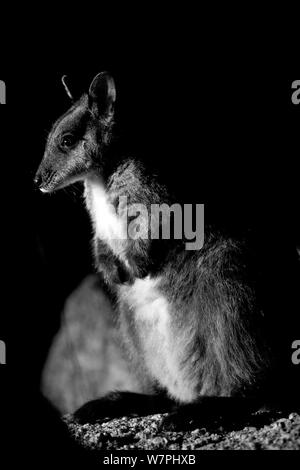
(68, 140)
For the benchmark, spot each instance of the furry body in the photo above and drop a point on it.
(190, 327)
(191, 323)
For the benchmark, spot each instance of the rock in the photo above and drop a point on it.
(279, 432)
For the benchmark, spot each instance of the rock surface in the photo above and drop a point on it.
(263, 431)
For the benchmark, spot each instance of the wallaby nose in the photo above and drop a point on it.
(37, 180)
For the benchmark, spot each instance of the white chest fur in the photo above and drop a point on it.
(147, 302)
(160, 345)
(151, 314)
(108, 225)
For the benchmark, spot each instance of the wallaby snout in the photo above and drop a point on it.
(48, 176)
(59, 169)
(37, 179)
(42, 177)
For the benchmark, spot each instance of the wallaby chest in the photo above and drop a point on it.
(145, 314)
(147, 325)
(108, 225)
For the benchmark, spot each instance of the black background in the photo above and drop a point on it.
(231, 132)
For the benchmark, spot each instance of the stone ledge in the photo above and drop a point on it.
(263, 431)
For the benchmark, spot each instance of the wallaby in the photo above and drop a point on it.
(190, 321)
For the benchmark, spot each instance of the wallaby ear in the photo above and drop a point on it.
(102, 95)
(63, 80)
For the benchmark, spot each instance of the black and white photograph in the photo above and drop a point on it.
(151, 261)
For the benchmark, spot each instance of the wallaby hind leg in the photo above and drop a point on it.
(117, 404)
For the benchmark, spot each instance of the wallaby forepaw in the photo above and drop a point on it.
(176, 421)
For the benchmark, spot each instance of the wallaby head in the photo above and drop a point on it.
(77, 142)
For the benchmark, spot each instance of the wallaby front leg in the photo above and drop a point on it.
(110, 266)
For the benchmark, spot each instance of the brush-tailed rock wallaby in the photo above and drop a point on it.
(190, 322)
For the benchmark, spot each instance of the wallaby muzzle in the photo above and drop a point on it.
(49, 177)
(41, 179)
